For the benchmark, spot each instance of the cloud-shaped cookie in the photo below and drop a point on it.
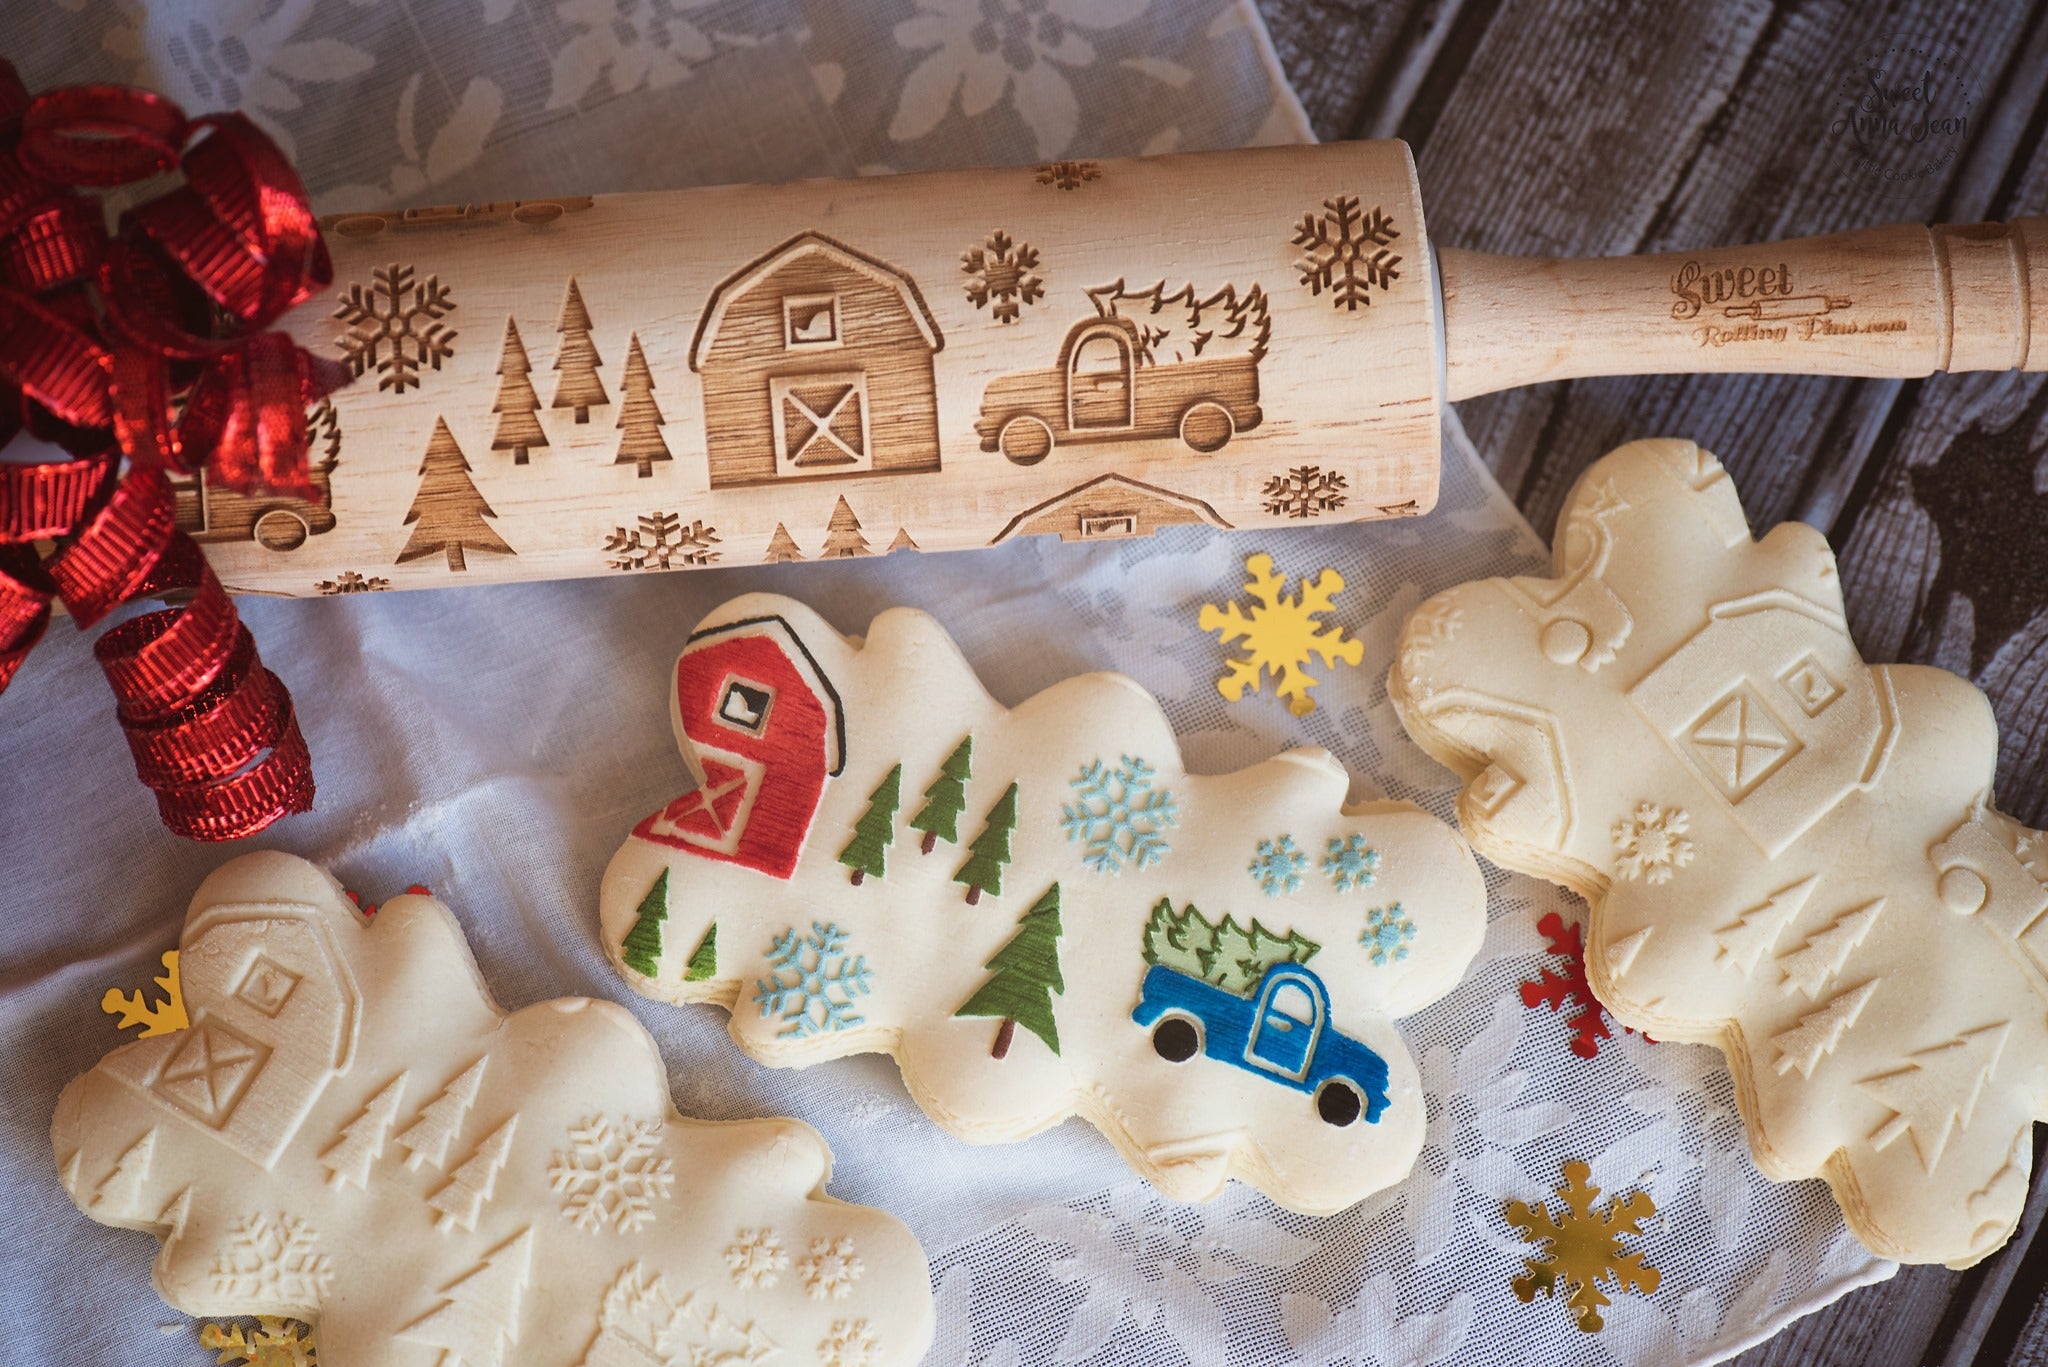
(350, 1132)
(1039, 912)
(1789, 854)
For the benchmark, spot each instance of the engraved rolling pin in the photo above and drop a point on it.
(552, 388)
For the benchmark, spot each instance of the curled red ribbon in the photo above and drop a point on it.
(146, 352)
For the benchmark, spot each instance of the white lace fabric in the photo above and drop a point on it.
(498, 745)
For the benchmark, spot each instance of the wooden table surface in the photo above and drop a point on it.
(1603, 127)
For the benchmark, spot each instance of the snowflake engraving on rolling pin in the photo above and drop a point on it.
(1344, 251)
(394, 326)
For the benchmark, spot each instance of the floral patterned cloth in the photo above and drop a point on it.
(496, 745)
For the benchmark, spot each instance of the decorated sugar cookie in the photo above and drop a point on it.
(1789, 854)
(1039, 912)
(350, 1133)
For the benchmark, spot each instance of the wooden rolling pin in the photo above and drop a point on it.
(1260, 338)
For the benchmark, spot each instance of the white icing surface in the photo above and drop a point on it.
(906, 698)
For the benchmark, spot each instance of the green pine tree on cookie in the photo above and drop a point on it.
(983, 869)
(704, 959)
(868, 851)
(641, 949)
(939, 818)
(1023, 975)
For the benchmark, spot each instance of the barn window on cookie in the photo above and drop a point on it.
(810, 320)
(743, 705)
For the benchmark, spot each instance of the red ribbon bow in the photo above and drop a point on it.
(148, 347)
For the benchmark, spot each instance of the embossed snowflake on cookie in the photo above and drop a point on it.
(1065, 922)
(350, 1133)
(1789, 854)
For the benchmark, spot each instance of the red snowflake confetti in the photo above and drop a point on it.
(1568, 992)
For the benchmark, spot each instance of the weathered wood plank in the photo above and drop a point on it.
(1991, 1311)
(1887, 1325)
(1946, 560)
(1342, 55)
(1762, 166)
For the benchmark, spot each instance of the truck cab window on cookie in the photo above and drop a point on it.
(743, 705)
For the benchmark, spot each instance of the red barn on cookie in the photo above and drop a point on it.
(762, 729)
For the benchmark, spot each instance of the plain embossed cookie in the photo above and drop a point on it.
(1789, 854)
(1039, 912)
(351, 1133)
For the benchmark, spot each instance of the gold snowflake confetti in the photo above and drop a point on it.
(1280, 633)
(165, 1017)
(275, 1343)
(1585, 1246)
(1652, 843)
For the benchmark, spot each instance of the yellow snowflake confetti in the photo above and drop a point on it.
(275, 1343)
(1280, 633)
(166, 1017)
(1585, 1246)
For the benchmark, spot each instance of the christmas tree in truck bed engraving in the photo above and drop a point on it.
(1148, 365)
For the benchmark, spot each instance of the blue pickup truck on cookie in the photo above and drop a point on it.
(1281, 1031)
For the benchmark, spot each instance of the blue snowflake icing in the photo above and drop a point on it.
(1277, 866)
(815, 981)
(1351, 864)
(1119, 815)
(1387, 933)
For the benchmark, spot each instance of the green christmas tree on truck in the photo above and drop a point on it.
(868, 851)
(983, 869)
(1023, 975)
(1224, 954)
(939, 818)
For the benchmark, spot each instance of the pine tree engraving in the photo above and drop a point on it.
(843, 539)
(1749, 939)
(579, 388)
(1937, 1092)
(1813, 966)
(1818, 1032)
(517, 406)
(349, 1159)
(782, 547)
(448, 510)
(121, 1188)
(639, 417)
(1023, 975)
(426, 1140)
(470, 1186)
(478, 1322)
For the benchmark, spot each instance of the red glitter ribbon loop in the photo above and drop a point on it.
(142, 375)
